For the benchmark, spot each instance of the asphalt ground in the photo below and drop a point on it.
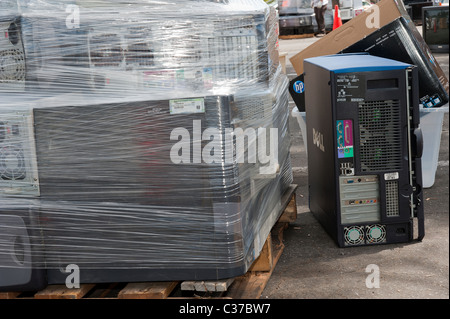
(312, 266)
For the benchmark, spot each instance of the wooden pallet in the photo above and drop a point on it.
(247, 286)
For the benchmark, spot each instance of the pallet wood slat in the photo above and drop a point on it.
(62, 292)
(264, 262)
(290, 212)
(148, 290)
(9, 295)
(249, 286)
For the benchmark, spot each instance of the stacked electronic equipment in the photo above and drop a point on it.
(139, 142)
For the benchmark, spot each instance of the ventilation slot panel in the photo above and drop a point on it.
(18, 166)
(380, 136)
(12, 66)
(106, 50)
(392, 199)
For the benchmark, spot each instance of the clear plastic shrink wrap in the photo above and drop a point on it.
(139, 140)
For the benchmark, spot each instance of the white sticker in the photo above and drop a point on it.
(390, 176)
(187, 106)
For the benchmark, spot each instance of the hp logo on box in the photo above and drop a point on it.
(299, 87)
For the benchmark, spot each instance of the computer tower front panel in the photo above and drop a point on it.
(21, 248)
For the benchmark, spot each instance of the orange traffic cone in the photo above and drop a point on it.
(337, 21)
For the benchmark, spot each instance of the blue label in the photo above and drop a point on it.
(299, 87)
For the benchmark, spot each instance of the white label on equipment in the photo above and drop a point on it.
(390, 176)
(187, 106)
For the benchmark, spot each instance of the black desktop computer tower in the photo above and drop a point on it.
(364, 148)
(21, 240)
(21, 247)
(40, 55)
(12, 55)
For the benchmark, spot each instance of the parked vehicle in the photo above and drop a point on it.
(349, 9)
(297, 17)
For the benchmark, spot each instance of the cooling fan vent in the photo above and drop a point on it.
(240, 37)
(354, 235)
(12, 163)
(375, 234)
(380, 135)
(18, 165)
(139, 53)
(12, 66)
(255, 109)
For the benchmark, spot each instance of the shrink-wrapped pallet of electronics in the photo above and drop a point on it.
(139, 140)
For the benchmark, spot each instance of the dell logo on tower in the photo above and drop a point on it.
(318, 140)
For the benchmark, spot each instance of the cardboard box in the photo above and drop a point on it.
(349, 33)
